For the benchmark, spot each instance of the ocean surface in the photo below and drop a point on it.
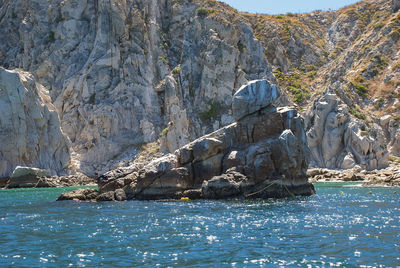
(341, 226)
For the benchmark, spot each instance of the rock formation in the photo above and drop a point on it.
(374, 178)
(263, 154)
(120, 72)
(337, 140)
(30, 133)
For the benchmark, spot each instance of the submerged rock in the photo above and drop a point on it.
(263, 154)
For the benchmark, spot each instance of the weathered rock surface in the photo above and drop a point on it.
(119, 72)
(337, 140)
(264, 154)
(30, 133)
(79, 195)
(66, 181)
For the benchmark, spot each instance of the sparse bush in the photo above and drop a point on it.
(204, 12)
(164, 132)
(379, 25)
(360, 86)
(357, 113)
(212, 112)
(163, 59)
(52, 37)
(241, 47)
(176, 70)
(92, 99)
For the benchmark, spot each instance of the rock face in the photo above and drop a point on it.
(338, 141)
(30, 133)
(262, 155)
(119, 72)
(395, 5)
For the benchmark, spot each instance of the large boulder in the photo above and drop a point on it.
(252, 97)
(30, 133)
(25, 177)
(337, 140)
(264, 154)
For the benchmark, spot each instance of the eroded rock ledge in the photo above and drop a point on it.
(263, 154)
(387, 177)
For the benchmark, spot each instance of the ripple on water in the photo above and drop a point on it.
(329, 229)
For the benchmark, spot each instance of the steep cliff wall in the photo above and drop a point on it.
(30, 132)
(121, 72)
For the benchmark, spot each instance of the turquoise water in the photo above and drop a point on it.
(352, 228)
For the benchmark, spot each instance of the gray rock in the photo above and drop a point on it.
(120, 195)
(337, 140)
(253, 97)
(223, 186)
(79, 195)
(395, 5)
(30, 132)
(25, 177)
(107, 196)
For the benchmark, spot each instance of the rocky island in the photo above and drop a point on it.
(263, 154)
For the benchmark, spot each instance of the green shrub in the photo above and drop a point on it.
(164, 132)
(241, 47)
(92, 99)
(176, 70)
(379, 25)
(52, 37)
(357, 113)
(212, 112)
(204, 12)
(163, 59)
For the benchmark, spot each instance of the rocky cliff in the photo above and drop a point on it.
(30, 132)
(121, 72)
(125, 73)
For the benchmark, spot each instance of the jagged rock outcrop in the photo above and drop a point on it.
(263, 154)
(392, 132)
(30, 133)
(337, 140)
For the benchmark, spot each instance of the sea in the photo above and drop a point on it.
(343, 225)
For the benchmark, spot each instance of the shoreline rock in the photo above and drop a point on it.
(28, 177)
(263, 154)
(389, 176)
